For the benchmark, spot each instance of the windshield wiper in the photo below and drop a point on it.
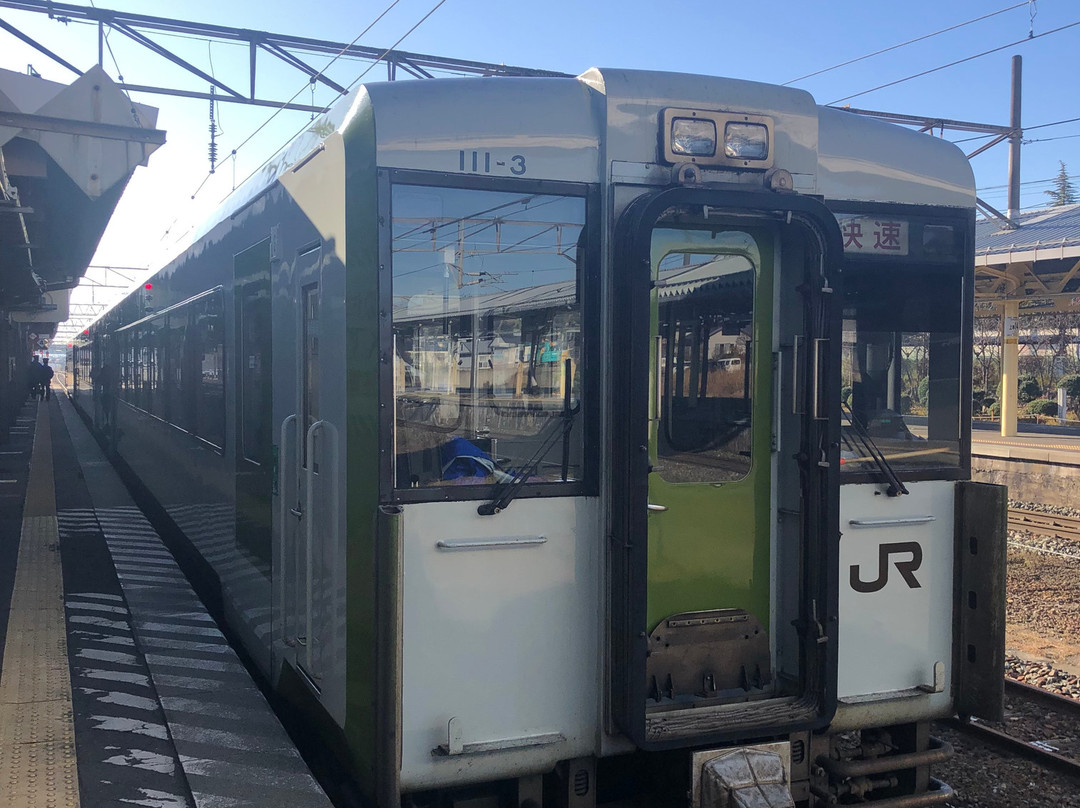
(562, 428)
(896, 487)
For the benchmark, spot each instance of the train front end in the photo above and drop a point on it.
(667, 450)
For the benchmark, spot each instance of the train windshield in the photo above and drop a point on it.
(487, 337)
(902, 356)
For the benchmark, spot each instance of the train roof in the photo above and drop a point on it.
(605, 121)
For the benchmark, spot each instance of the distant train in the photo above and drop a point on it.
(508, 414)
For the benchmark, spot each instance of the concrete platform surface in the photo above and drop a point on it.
(1037, 447)
(116, 687)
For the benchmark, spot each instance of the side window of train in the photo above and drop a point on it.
(487, 337)
(205, 357)
(251, 272)
(173, 366)
(704, 361)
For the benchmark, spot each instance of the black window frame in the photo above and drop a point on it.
(587, 419)
(964, 221)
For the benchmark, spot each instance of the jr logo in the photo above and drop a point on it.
(905, 568)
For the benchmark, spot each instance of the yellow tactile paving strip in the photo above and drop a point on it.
(1065, 447)
(37, 737)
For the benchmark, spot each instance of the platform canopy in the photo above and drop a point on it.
(1026, 269)
(1036, 263)
(66, 154)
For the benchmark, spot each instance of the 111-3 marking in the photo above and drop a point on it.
(473, 158)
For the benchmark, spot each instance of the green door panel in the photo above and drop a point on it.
(709, 546)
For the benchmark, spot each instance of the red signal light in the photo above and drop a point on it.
(149, 286)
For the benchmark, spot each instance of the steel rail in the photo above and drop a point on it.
(1027, 749)
(1032, 750)
(1049, 698)
(1049, 524)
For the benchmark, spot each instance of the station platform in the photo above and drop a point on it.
(1056, 448)
(116, 686)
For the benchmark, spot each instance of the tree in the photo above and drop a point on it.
(1027, 388)
(987, 350)
(1045, 348)
(1064, 193)
(1042, 406)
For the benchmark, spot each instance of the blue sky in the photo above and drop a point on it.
(772, 42)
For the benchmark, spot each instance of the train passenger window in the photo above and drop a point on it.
(174, 385)
(487, 337)
(153, 337)
(704, 283)
(251, 269)
(901, 368)
(207, 363)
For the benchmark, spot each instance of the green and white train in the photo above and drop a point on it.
(564, 440)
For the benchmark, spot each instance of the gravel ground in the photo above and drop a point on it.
(1037, 506)
(1043, 609)
(1043, 636)
(983, 777)
(1044, 675)
(1043, 595)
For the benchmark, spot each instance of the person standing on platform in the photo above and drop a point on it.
(33, 377)
(46, 377)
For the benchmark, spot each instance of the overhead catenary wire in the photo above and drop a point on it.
(309, 82)
(905, 44)
(1048, 139)
(1004, 187)
(1026, 129)
(1055, 123)
(120, 76)
(108, 45)
(956, 62)
(349, 88)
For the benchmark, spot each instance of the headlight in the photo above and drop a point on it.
(713, 138)
(694, 138)
(746, 141)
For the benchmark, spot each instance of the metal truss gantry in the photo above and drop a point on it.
(292, 51)
(289, 49)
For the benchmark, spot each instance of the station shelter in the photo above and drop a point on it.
(1030, 268)
(67, 152)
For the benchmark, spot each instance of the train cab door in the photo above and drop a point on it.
(728, 491)
(305, 506)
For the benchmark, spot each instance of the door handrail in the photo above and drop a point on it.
(282, 464)
(309, 494)
(308, 527)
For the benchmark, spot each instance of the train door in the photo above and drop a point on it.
(728, 491)
(307, 507)
(254, 461)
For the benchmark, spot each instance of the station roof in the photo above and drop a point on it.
(1042, 235)
(1036, 263)
(66, 154)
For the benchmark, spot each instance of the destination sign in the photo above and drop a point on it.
(872, 235)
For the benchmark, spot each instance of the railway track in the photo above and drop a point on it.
(1028, 738)
(1047, 524)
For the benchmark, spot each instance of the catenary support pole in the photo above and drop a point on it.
(1014, 139)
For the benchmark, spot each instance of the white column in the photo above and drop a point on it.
(1010, 364)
